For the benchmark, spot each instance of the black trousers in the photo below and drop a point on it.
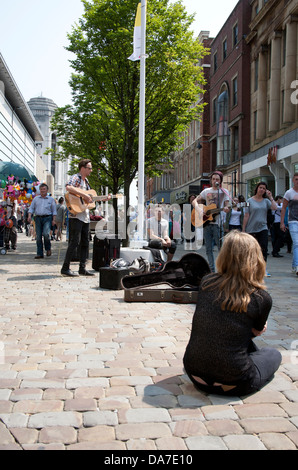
(278, 238)
(266, 361)
(262, 239)
(158, 244)
(78, 235)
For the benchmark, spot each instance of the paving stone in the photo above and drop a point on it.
(259, 410)
(31, 406)
(205, 443)
(105, 446)
(66, 418)
(265, 425)
(80, 404)
(95, 418)
(86, 382)
(144, 430)
(97, 434)
(188, 428)
(223, 427)
(6, 437)
(25, 436)
(141, 444)
(277, 441)
(58, 434)
(243, 442)
(170, 443)
(144, 415)
(219, 412)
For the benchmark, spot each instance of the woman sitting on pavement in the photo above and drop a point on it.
(233, 307)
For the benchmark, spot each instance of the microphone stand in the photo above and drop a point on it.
(220, 219)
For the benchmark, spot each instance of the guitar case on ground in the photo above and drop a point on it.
(177, 282)
(104, 250)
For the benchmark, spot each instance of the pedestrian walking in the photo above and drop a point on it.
(277, 235)
(290, 200)
(233, 307)
(44, 209)
(11, 234)
(255, 217)
(61, 208)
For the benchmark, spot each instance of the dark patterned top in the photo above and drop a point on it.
(218, 349)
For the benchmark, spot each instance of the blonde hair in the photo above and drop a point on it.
(241, 270)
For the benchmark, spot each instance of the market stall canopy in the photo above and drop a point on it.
(15, 169)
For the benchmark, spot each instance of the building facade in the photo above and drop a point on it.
(273, 42)
(19, 131)
(43, 110)
(230, 97)
(191, 163)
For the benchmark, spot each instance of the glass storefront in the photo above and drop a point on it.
(15, 143)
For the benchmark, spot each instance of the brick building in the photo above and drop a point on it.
(230, 97)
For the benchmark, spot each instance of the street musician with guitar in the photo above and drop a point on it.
(77, 188)
(218, 198)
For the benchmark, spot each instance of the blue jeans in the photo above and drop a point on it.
(211, 237)
(293, 228)
(43, 227)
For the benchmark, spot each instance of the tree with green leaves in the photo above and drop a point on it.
(102, 123)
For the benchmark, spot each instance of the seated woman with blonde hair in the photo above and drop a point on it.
(233, 307)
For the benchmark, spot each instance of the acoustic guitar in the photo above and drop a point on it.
(209, 212)
(76, 204)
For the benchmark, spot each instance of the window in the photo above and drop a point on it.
(284, 46)
(236, 144)
(282, 105)
(214, 109)
(255, 124)
(235, 91)
(215, 62)
(223, 133)
(224, 50)
(256, 73)
(235, 34)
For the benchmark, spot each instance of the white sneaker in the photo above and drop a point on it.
(267, 274)
(295, 270)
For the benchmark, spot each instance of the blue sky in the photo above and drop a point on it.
(33, 35)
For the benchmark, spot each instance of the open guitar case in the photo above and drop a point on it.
(177, 282)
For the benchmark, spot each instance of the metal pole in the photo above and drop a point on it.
(141, 168)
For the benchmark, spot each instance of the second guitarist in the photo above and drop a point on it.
(79, 223)
(220, 197)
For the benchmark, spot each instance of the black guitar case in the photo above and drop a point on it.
(177, 282)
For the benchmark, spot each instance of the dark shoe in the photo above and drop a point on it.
(49, 253)
(38, 257)
(84, 272)
(68, 273)
(277, 255)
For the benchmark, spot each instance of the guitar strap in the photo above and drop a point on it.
(87, 185)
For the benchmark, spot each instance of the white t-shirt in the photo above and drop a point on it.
(152, 224)
(211, 197)
(292, 197)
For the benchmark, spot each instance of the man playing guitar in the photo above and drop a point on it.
(216, 195)
(79, 223)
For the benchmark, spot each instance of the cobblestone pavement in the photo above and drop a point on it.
(82, 369)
